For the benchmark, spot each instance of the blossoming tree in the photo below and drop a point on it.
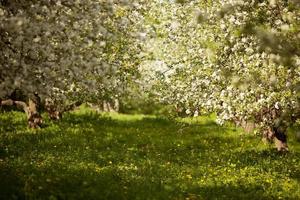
(239, 59)
(64, 51)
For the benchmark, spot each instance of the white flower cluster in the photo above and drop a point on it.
(238, 61)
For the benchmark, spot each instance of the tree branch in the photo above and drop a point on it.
(18, 104)
(7, 102)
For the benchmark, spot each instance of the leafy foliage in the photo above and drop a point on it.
(239, 59)
(66, 50)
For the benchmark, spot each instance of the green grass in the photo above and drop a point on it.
(92, 156)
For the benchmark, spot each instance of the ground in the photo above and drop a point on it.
(113, 156)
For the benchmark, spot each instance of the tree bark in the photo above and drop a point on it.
(248, 126)
(33, 117)
(105, 106)
(116, 105)
(278, 136)
(55, 112)
(52, 110)
(7, 102)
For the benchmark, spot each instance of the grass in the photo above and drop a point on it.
(92, 156)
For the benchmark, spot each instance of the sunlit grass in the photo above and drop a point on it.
(114, 156)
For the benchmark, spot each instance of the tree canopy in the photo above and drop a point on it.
(239, 59)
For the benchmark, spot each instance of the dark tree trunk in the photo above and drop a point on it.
(278, 136)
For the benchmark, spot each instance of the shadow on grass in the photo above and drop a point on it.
(11, 184)
(268, 160)
(9, 123)
(90, 156)
(96, 119)
(113, 183)
(231, 192)
(85, 135)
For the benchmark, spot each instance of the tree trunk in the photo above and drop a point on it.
(248, 126)
(105, 107)
(55, 110)
(52, 110)
(111, 106)
(268, 135)
(278, 135)
(280, 138)
(7, 102)
(33, 117)
(116, 105)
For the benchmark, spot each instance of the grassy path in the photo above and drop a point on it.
(88, 156)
